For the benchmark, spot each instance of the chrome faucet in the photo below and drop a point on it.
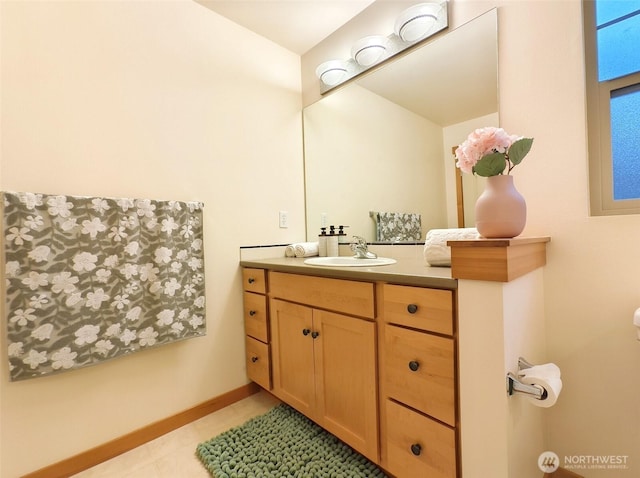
(360, 248)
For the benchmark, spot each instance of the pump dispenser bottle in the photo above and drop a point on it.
(342, 236)
(322, 242)
(332, 243)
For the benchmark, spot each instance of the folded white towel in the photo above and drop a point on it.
(436, 251)
(301, 249)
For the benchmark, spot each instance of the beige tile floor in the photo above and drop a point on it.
(173, 455)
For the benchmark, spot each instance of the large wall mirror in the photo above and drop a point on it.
(383, 143)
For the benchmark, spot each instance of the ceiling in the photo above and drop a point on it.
(297, 25)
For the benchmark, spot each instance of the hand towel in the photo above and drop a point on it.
(301, 249)
(436, 251)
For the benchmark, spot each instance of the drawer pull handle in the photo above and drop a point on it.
(251, 280)
(254, 359)
(412, 308)
(414, 365)
(306, 332)
(315, 334)
(416, 449)
(252, 313)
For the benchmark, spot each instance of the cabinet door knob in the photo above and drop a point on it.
(414, 365)
(252, 313)
(306, 331)
(412, 308)
(315, 334)
(416, 449)
(251, 280)
(254, 359)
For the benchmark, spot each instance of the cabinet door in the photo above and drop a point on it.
(292, 355)
(345, 358)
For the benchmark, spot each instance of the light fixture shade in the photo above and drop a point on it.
(416, 21)
(332, 72)
(369, 50)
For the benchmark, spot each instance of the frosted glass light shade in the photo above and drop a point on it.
(416, 21)
(331, 72)
(369, 50)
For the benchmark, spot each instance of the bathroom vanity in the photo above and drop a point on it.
(368, 355)
(373, 354)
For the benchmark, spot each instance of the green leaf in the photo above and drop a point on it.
(519, 150)
(490, 165)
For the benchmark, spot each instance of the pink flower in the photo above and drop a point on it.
(481, 142)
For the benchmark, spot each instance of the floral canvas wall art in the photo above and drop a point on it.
(89, 279)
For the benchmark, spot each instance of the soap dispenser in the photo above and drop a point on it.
(342, 236)
(322, 242)
(332, 243)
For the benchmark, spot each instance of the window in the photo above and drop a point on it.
(612, 58)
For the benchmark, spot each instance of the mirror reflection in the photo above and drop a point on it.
(378, 152)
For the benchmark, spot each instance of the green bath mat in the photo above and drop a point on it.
(282, 443)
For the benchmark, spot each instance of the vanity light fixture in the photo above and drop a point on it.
(369, 50)
(332, 72)
(412, 26)
(417, 21)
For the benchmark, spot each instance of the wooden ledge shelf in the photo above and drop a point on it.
(498, 260)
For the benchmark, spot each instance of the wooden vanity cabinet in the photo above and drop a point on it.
(256, 326)
(373, 363)
(323, 339)
(418, 389)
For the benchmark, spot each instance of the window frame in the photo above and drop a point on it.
(598, 97)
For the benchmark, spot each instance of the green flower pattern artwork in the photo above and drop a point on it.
(90, 279)
(397, 226)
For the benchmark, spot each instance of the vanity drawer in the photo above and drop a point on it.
(418, 446)
(419, 308)
(420, 371)
(346, 296)
(254, 280)
(255, 316)
(257, 359)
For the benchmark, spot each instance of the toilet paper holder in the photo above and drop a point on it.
(516, 386)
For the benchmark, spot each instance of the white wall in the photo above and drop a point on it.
(591, 282)
(591, 286)
(165, 100)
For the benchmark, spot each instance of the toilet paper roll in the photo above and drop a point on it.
(552, 386)
(548, 370)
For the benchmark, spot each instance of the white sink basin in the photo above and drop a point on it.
(348, 261)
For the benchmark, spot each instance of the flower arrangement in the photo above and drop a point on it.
(489, 151)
